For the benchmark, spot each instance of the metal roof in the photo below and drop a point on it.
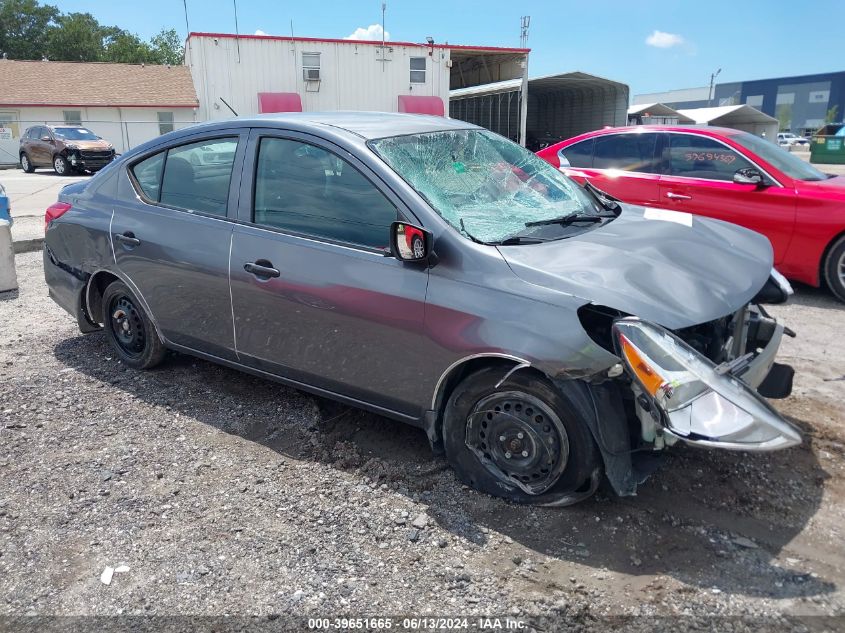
(659, 109)
(542, 85)
(289, 38)
(728, 115)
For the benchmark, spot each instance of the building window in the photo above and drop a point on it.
(73, 117)
(311, 66)
(417, 70)
(785, 98)
(755, 101)
(165, 122)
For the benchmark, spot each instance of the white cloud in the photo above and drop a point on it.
(661, 39)
(372, 32)
(259, 32)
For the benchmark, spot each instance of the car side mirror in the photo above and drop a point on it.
(46, 139)
(748, 176)
(409, 243)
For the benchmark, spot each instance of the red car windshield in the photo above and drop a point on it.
(778, 157)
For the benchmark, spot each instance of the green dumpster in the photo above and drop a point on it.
(828, 146)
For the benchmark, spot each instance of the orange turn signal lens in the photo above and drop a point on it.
(650, 379)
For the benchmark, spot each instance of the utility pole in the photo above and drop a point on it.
(710, 93)
(525, 21)
(383, 54)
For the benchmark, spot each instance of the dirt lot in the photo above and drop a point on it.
(226, 494)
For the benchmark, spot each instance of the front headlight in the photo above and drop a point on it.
(697, 401)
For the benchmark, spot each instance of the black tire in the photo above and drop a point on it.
(834, 269)
(60, 165)
(579, 471)
(26, 164)
(129, 330)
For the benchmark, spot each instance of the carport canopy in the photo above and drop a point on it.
(559, 106)
(657, 114)
(739, 117)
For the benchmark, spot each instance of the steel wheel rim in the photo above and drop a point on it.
(519, 439)
(59, 165)
(128, 327)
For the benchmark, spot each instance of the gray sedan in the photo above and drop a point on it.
(543, 335)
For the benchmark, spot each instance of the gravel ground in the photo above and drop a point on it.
(211, 492)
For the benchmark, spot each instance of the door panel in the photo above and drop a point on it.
(180, 266)
(338, 318)
(42, 151)
(769, 210)
(178, 259)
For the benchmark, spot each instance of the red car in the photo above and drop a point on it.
(725, 174)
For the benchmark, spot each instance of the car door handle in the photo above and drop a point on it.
(127, 239)
(262, 269)
(677, 196)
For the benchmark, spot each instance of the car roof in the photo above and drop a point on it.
(367, 125)
(703, 130)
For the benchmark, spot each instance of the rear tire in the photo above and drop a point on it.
(129, 330)
(26, 164)
(60, 165)
(547, 446)
(834, 269)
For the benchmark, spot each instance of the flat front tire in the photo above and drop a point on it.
(521, 440)
(834, 269)
(129, 330)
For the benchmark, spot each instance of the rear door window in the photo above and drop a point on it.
(148, 175)
(694, 156)
(579, 154)
(194, 177)
(628, 152)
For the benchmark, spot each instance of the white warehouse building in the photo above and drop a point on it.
(252, 74)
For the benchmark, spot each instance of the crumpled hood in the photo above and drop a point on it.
(670, 268)
(99, 145)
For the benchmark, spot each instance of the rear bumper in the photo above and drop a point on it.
(66, 286)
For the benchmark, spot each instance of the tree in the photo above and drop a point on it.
(25, 26)
(832, 114)
(30, 30)
(783, 113)
(78, 37)
(126, 48)
(167, 48)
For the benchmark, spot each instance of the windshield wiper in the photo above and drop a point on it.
(604, 199)
(517, 239)
(470, 235)
(566, 220)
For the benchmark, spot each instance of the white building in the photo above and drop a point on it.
(258, 73)
(125, 104)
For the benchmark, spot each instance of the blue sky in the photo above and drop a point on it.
(689, 39)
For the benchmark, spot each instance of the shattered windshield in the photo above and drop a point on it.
(487, 187)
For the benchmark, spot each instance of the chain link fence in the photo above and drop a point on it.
(124, 135)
